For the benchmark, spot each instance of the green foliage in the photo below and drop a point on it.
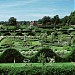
(7, 42)
(72, 18)
(42, 58)
(19, 34)
(47, 53)
(9, 55)
(8, 27)
(40, 21)
(12, 21)
(65, 20)
(23, 27)
(35, 69)
(72, 21)
(45, 20)
(56, 20)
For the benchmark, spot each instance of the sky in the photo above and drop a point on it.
(29, 10)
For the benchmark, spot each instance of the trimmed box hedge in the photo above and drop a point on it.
(39, 69)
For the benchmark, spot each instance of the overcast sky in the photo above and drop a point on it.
(34, 9)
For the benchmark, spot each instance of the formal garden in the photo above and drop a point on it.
(37, 51)
(26, 48)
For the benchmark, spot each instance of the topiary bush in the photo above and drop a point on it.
(10, 55)
(48, 53)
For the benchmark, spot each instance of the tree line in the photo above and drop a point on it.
(67, 20)
(46, 20)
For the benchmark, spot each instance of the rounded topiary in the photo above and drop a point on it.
(10, 55)
(47, 52)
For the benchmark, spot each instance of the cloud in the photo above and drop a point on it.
(16, 3)
(33, 9)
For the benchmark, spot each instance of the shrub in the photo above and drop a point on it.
(47, 52)
(54, 69)
(19, 34)
(10, 55)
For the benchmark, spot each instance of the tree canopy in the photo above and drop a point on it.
(12, 21)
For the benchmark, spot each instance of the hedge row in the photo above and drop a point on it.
(38, 70)
(9, 55)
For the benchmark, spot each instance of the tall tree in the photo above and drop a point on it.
(72, 21)
(45, 20)
(72, 18)
(65, 20)
(56, 20)
(12, 21)
(40, 21)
